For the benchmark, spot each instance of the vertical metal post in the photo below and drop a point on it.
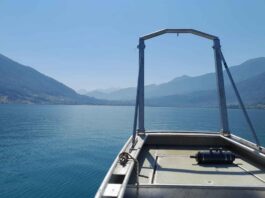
(136, 112)
(141, 47)
(220, 87)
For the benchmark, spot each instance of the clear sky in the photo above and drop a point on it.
(92, 44)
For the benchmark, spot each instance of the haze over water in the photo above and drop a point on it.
(65, 151)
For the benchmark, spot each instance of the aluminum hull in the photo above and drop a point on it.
(166, 169)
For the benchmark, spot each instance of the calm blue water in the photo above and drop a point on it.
(65, 151)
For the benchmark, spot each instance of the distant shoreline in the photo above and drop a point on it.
(258, 106)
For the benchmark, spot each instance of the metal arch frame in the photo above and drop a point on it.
(179, 31)
(139, 106)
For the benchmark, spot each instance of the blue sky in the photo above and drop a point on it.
(92, 44)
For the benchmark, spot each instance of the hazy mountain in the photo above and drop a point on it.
(97, 93)
(82, 91)
(252, 91)
(186, 84)
(23, 84)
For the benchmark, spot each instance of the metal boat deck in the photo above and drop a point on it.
(173, 165)
(166, 169)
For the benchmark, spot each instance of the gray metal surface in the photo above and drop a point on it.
(167, 170)
(173, 165)
(179, 31)
(141, 47)
(220, 87)
(167, 191)
(119, 174)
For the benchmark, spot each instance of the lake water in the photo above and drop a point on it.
(65, 151)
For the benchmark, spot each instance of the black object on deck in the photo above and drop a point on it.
(214, 156)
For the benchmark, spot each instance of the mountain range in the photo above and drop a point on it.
(23, 84)
(186, 84)
(201, 90)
